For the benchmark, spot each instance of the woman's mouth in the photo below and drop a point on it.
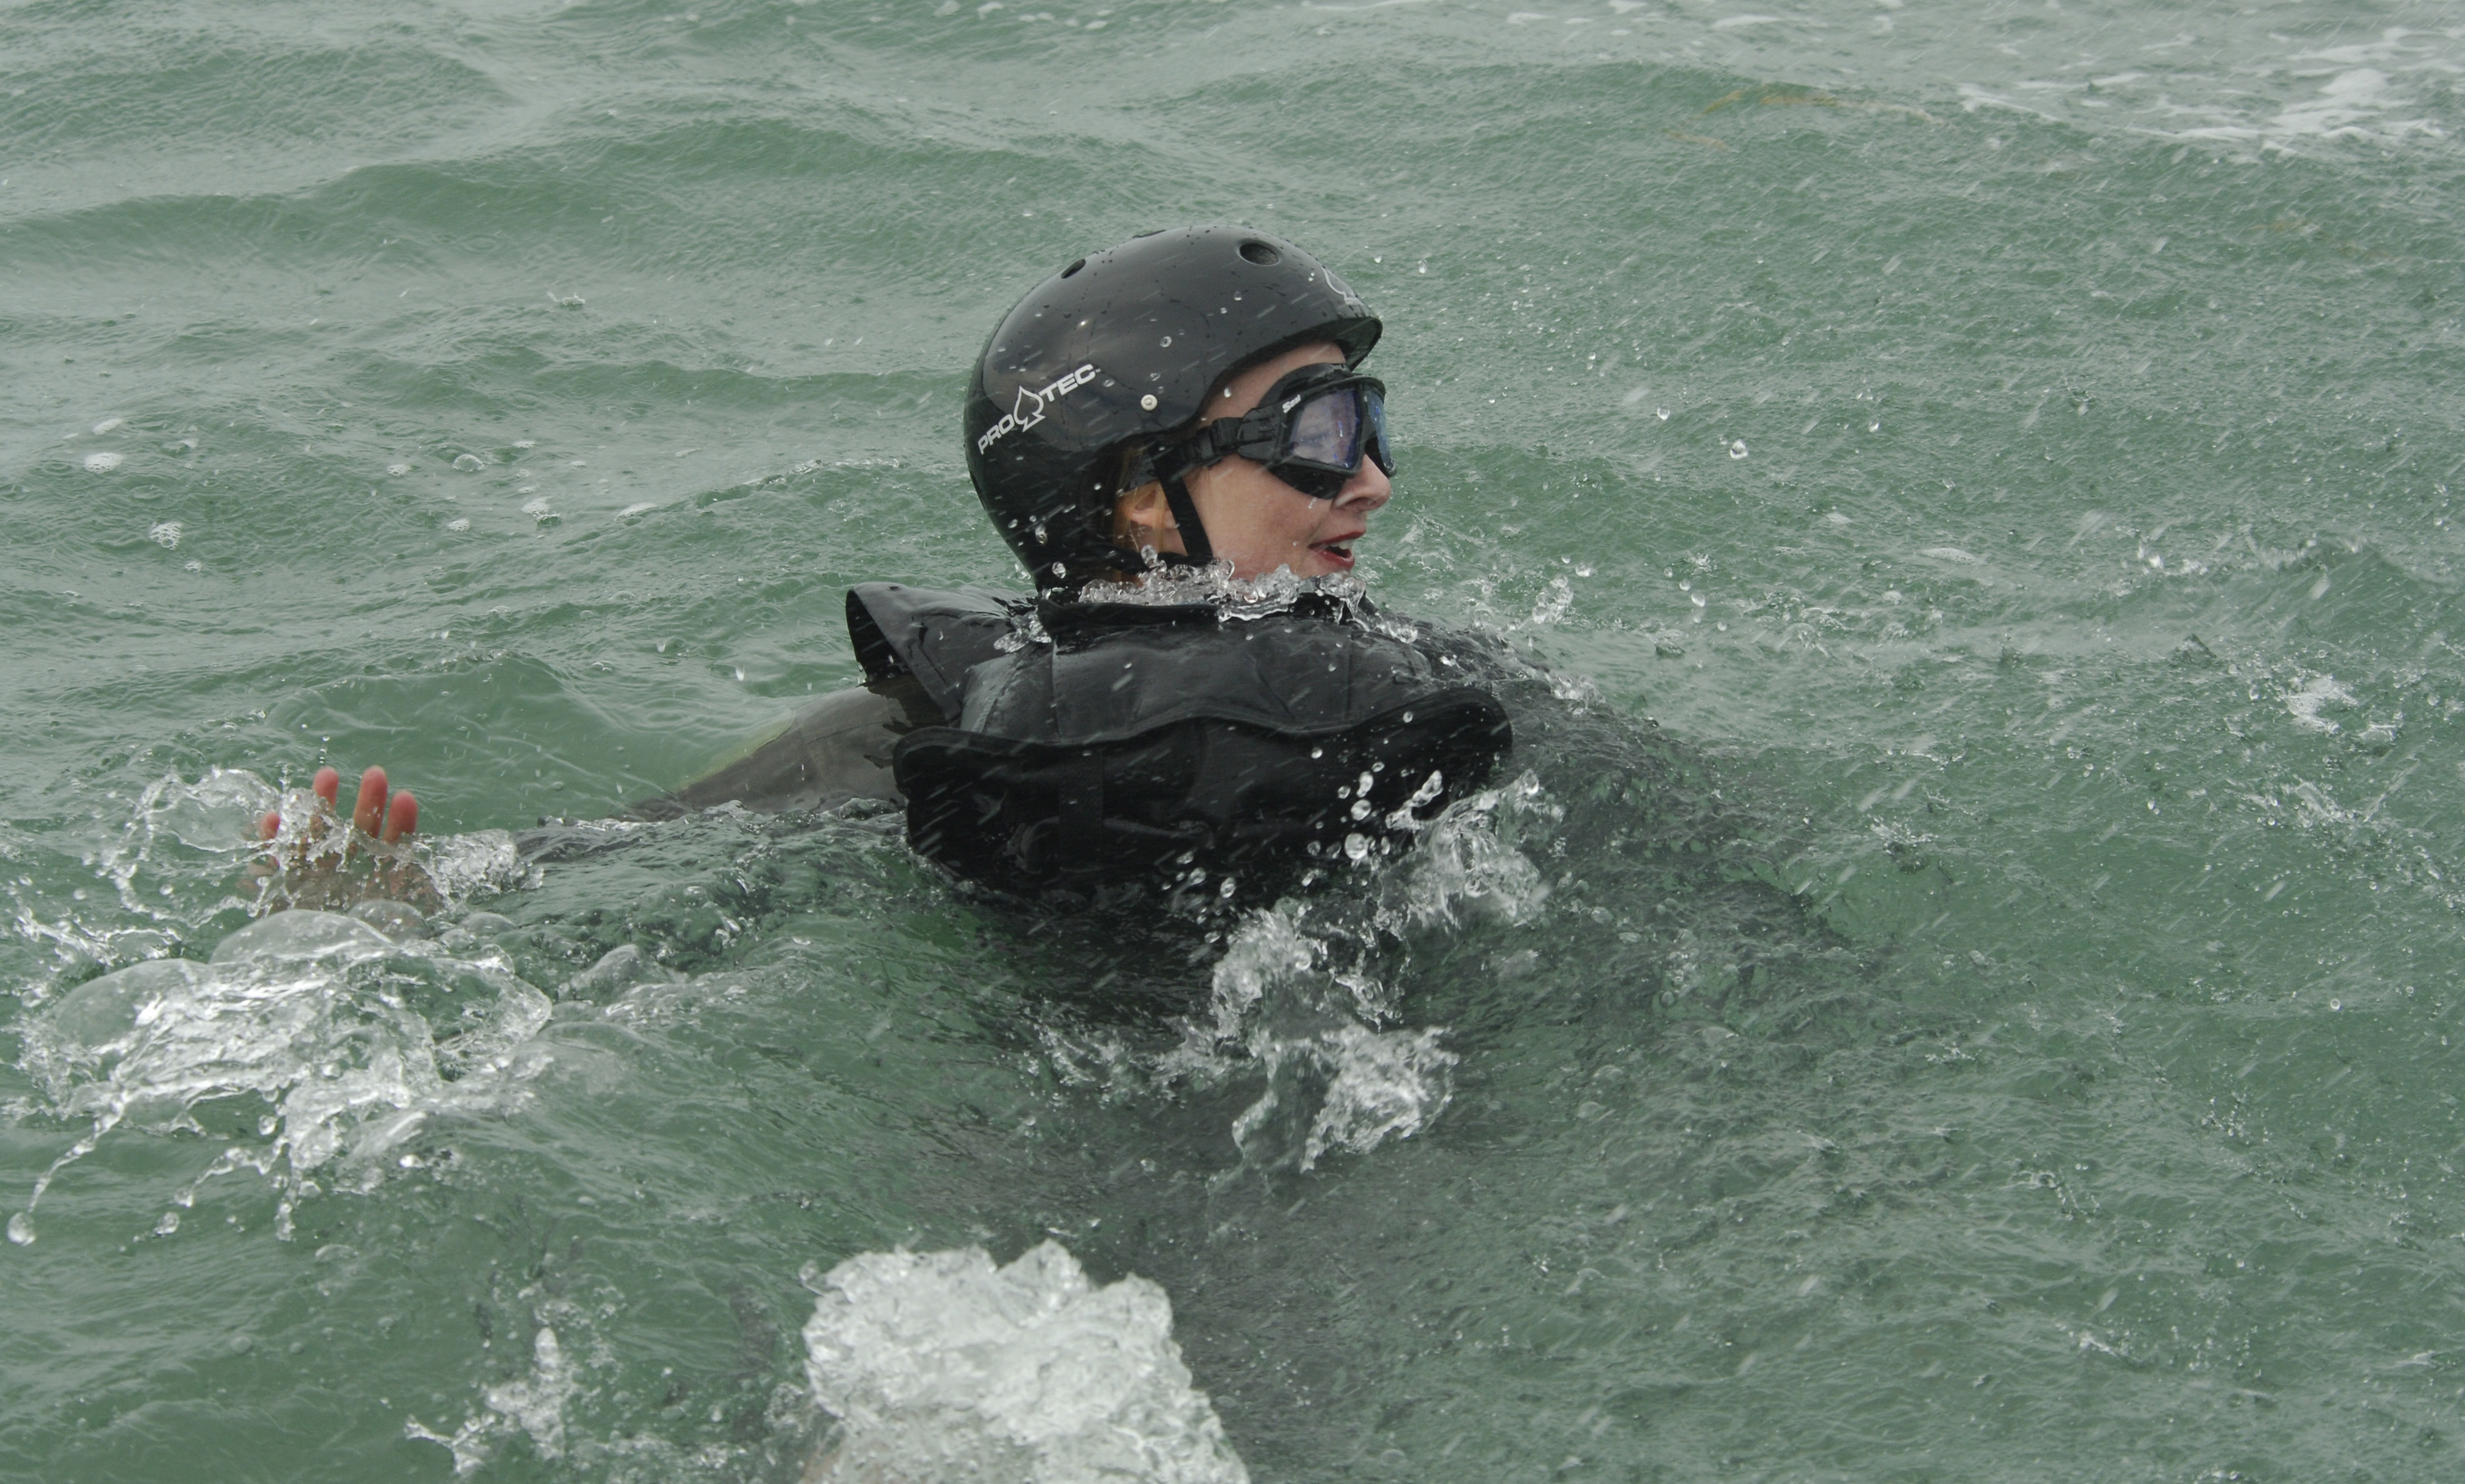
(1337, 552)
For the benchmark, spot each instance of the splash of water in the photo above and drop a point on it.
(171, 858)
(533, 1404)
(1240, 597)
(183, 839)
(1304, 996)
(347, 1040)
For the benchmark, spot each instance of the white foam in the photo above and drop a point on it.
(2345, 102)
(2316, 695)
(941, 1365)
(104, 462)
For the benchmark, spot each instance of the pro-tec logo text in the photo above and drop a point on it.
(1029, 409)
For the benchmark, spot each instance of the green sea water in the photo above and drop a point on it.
(1958, 981)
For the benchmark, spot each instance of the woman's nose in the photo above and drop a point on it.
(1368, 489)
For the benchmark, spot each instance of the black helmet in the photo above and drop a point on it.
(1119, 349)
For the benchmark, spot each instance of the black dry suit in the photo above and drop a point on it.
(1085, 743)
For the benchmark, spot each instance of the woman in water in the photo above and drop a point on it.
(1176, 439)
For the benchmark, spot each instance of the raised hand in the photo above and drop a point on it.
(370, 860)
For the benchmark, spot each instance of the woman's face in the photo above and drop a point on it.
(1255, 521)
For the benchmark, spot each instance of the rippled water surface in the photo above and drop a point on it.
(1955, 983)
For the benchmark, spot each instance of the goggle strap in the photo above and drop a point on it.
(1199, 551)
(1213, 443)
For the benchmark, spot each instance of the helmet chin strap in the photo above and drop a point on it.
(1196, 549)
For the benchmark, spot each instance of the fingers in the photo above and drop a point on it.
(402, 817)
(370, 811)
(371, 814)
(270, 826)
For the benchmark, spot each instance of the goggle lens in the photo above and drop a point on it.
(1326, 436)
(1326, 430)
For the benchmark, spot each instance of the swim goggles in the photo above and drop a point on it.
(1311, 429)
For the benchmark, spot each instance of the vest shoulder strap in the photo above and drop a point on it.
(934, 635)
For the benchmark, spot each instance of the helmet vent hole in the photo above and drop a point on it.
(1073, 268)
(1261, 254)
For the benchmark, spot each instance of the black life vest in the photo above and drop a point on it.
(1093, 743)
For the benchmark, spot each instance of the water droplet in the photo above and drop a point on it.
(398, 470)
(470, 463)
(459, 524)
(104, 462)
(1738, 448)
(169, 1224)
(108, 423)
(1355, 847)
(21, 1229)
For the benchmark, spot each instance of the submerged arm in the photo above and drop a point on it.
(835, 749)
